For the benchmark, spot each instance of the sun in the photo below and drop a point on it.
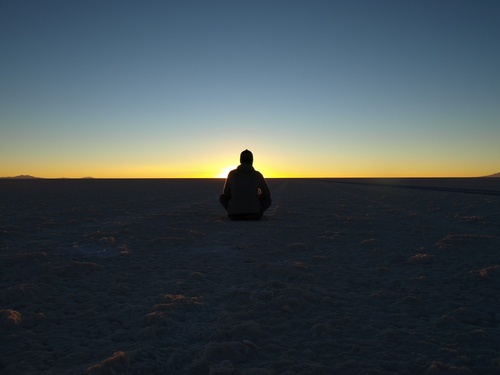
(225, 171)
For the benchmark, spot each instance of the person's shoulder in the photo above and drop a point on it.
(257, 173)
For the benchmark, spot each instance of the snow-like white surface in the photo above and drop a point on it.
(150, 277)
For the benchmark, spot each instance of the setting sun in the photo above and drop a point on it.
(225, 171)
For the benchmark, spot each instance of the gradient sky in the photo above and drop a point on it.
(352, 88)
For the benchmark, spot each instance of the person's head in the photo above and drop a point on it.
(246, 157)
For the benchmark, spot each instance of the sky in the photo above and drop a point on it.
(174, 89)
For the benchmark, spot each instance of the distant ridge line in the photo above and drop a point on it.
(22, 177)
(494, 175)
(28, 177)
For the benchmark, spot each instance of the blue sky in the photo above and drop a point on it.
(314, 88)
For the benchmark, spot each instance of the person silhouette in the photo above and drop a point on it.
(245, 195)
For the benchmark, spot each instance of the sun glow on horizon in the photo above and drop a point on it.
(225, 171)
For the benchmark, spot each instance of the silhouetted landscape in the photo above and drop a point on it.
(22, 177)
(28, 177)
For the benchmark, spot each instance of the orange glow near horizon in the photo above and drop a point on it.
(218, 167)
(223, 172)
(212, 160)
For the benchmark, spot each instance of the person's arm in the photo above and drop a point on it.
(227, 185)
(266, 192)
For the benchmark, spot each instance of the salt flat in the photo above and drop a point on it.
(340, 277)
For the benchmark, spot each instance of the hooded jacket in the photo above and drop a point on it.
(243, 185)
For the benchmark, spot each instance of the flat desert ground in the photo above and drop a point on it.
(339, 277)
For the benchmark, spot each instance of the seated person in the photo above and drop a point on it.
(245, 195)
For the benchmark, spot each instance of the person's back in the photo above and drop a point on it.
(246, 194)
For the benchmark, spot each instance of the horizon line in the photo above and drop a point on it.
(29, 177)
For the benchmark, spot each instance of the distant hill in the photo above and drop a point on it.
(494, 175)
(28, 177)
(22, 177)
